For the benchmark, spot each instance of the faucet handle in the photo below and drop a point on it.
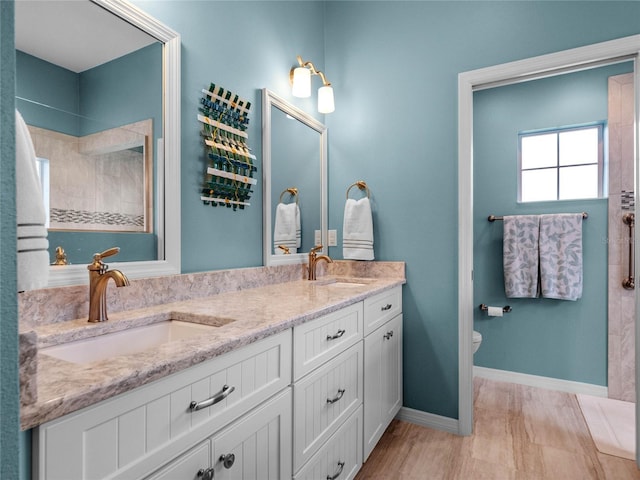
(107, 253)
(97, 259)
(315, 249)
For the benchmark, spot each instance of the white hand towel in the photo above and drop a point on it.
(357, 230)
(284, 230)
(33, 257)
(520, 255)
(298, 228)
(561, 256)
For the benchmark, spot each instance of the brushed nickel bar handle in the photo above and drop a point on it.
(338, 334)
(218, 397)
(337, 474)
(337, 397)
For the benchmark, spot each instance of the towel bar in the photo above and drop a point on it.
(493, 218)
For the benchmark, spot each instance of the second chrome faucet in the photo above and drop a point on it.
(314, 258)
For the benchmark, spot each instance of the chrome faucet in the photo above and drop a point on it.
(99, 276)
(314, 258)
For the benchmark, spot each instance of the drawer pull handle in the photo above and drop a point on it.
(386, 307)
(218, 397)
(227, 460)
(338, 334)
(206, 474)
(388, 335)
(337, 397)
(337, 474)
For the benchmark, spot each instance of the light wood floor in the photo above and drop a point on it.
(520, 432)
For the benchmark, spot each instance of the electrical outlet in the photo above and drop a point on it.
(317, 238)
(333, 238)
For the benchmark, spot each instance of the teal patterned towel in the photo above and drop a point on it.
(520, 255)
(561, 256)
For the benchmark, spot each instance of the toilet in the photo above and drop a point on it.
(477, 340)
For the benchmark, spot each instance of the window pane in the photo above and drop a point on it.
(579, 182)
(579, 146)
(539, 151)
(538, 185)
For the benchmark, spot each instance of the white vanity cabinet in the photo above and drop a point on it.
(382, 364)
(132, 434)
(327, 391)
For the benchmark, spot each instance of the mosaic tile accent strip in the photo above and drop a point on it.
(59, 215)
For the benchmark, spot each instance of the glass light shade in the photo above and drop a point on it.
(325, 100)
(301, 82)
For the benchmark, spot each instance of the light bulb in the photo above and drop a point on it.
(325, 99)
(301, 82)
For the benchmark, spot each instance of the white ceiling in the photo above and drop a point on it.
(74, 34)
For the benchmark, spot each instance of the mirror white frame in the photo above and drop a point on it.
(623, 49)
(168, 169)
(270, 99)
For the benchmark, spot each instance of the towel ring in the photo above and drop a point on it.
(362, 185)
(293, 191)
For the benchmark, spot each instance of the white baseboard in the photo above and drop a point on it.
(430, 420)
(542, 382)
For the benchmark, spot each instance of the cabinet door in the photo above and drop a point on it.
(189, 466)
(258, 446)
(382, 380)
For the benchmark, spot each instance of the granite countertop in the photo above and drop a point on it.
(244, 317)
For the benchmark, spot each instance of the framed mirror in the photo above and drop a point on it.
(104, 114)
(294, 161)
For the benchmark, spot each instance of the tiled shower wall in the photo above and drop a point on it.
(621, 312)
(97, 182)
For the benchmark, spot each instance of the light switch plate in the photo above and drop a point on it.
(333, 238)
(317, 238)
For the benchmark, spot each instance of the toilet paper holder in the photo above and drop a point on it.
(505, 309)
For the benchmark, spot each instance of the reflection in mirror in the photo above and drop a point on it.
(294, 156)
(106, 128)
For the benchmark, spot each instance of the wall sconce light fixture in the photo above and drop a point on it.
(300, 78)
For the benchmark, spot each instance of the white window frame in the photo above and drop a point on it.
(600, 126)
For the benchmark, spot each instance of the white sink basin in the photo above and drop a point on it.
(345, 284)
(342, 282)
(126, 342)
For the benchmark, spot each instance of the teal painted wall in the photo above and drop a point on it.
(552, 338)
(9, 391)
(47, 85)
(394, 67)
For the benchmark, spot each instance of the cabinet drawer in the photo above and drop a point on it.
(381, 307)
(317, 341)
(323, 400)
(131, 434)
(341, 457)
